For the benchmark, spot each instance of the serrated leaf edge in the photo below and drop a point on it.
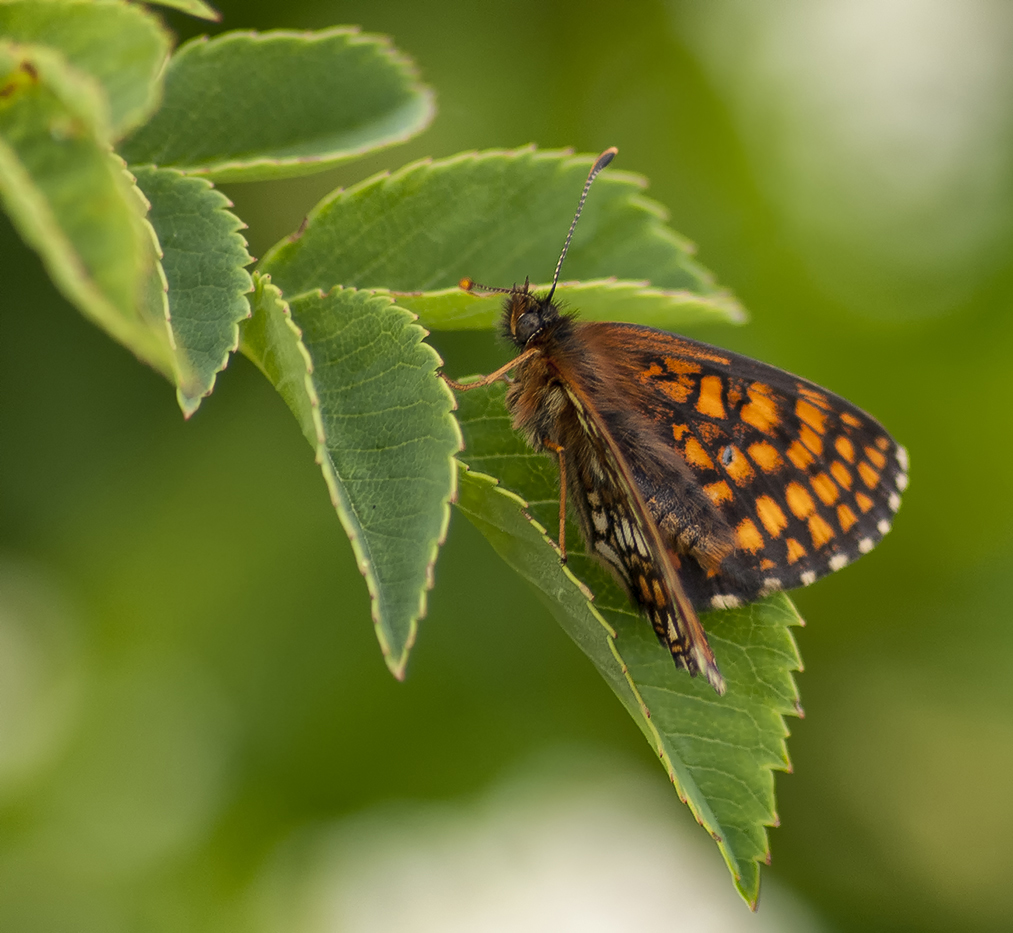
(189, 404)
(243, 169)
(39, 227)
(703, 815)
(346, 514)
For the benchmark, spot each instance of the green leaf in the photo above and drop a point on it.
(196, 8)
(120, 46)
(496, 217)
(596, 300)
(248, 106)
(72, 200)
(204, 258)
(353, 368)
(719, 751)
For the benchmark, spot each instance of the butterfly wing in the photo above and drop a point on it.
(779, 482)
(620, 530)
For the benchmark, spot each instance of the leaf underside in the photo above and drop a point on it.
(595, 300)
(354, 370)
(197, 8)
(204, 258)
(72, 200)
(308, 101)
(719, 751)
(120, 46)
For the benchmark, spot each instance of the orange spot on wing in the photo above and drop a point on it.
(811, 439)
(748, 537)
(876, 458)
(718, 492)
(840, 473)
(766, 457)
(825, 488)
(697, 352)
(799, 456)
(650, 374)
(680, 367)
(864, 502)
(850, 419)
(846, 517)
(709, 401)
(734, 393)
(645, 592)
(817, 398)
(709, 432)
(676, 389)
(869, 476)
(811, 415)
(738, 468)
(795, 551)
(767, 564)
(799, 500)
(761, 411)
(882, 442)
(771, 516)
(845, 448)
(820, 530)
(695, 454)
(679, 431)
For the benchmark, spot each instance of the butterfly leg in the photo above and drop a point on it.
(558, 451)
(492, 377)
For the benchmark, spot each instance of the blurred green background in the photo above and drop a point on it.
(189, 682)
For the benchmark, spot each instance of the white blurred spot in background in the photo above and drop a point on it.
(539, 855)
(40, 674)
(880, 131)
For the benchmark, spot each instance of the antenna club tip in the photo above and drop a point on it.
(466, 284)
(607, 156)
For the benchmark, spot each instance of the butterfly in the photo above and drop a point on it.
(703, 479)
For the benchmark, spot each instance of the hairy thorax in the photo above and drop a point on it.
(538, 403)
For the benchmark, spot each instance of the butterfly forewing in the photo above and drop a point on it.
(796, 482)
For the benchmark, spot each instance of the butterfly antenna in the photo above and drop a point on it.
(469, 285)
(607, 156)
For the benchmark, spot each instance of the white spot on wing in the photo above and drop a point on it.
(606, 551)
(601, 522)
(883, 527)
(770, 585)
(893, 502)
(808, 578)
(866, 545)
(594, 500)
(902, 458)
(627, 533)
(838, 561)
(902, 481)
(726, 602)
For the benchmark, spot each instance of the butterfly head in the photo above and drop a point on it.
(526, 315)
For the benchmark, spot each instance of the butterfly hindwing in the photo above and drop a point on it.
(620, 531)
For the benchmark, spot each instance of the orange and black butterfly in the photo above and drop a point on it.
(703, 479)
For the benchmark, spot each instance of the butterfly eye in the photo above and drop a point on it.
(528, 324)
